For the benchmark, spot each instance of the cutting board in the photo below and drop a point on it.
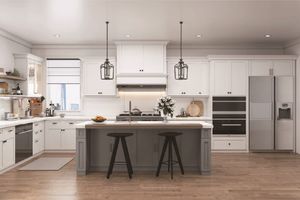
(4, 85)
(195, 109)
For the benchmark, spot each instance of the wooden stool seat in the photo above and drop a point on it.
(119, 134)
(118, 137)
(170, 141)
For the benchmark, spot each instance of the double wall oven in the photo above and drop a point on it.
(229, 115)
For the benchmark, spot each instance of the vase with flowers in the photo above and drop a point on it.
(166, 106)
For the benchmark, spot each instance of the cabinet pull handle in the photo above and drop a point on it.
(54, 123)
(36, 132)
(231, 125)
(71, 123)
(41, 131)
(63, 129)
(99, 92)
(4, 141)
(200, 92)
(36, 124)
(10, 130)
(229, 143)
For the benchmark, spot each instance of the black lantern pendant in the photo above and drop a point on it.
(181, 69)
(107, 69)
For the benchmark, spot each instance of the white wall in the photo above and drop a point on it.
(295, 49)
(8, 47)
(111, 106)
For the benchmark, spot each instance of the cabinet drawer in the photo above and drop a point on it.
(68, 124)
(38, 125)
(53, 124)
(229, 144)
(7, 133)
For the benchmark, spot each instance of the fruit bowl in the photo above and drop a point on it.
(99, 119)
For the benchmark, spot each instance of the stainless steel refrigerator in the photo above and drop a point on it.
(271, 113)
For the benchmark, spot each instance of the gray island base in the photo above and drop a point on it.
(94, 147)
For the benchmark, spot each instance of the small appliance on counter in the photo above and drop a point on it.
(9, 116)
(51, 110)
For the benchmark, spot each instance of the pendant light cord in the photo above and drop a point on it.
(107, 40)
(181, 39)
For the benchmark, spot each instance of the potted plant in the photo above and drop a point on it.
(166, 106)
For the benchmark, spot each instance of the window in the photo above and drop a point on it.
(64, 83)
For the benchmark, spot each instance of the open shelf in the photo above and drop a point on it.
(19, 96)
(15, 78)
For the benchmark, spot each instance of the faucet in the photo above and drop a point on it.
(129, 110)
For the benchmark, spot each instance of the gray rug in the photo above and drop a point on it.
(47, 164)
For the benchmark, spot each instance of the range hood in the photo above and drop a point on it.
(155, 82)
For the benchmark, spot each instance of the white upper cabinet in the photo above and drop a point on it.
(197, 82)
(229, 77)
(93, 85)
(30, 67)
(141, 58)
(272, 67)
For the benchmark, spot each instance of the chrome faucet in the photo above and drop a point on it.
(129, 110)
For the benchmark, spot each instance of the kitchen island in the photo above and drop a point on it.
(93, 146)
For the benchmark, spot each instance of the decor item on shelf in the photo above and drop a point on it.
(166, 105)
(14, 73)
(181, 69)
(107, 69)
(17, 90)
(99, 118)
(3, 87)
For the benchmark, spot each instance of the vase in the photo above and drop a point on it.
(165, 118)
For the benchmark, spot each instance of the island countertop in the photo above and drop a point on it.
(144, 124)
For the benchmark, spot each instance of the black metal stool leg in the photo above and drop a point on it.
(127, 158)
(177, 154)
(171, 156)
(162, 156)
(113, 157)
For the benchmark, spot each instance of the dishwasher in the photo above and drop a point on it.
(23, 145)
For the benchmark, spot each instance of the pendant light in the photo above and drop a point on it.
(107, 69)
(181, 69)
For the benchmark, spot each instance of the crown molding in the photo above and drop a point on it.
(292, 43)
(71, 46)
(15, 38)
(242, 46)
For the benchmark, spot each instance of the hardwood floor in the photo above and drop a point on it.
(235, 176)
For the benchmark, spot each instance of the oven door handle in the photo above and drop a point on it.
(231, 124)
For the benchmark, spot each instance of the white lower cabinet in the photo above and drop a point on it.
(38, 139)
(7, 147)
(60, 135)
(229, 143)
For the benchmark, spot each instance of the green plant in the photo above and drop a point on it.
(166, 105)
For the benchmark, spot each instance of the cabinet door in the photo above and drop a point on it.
(175, 87)
(153, 59)
(198, 78)
(239, 76)
(68, 139)
(52, 139)
(1, 155)
(222, 77)
(8, 152)
(261, 67)
(36, 145)
(147, 146)
(93, 85)
(130, 59)
(283, 67)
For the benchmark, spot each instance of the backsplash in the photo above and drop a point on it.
(5, 106)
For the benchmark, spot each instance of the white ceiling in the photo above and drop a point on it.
(219, 22)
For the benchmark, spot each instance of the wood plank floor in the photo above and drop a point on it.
(235, 176)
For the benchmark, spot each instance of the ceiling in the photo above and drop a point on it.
(220, 22)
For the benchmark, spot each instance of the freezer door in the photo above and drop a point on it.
(284, 124)
(261, 113)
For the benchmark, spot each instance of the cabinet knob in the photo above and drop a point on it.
(36, 132)
(36, 141)
(99, 92)
(41, 130)
(199, 92)
(229, 143)
(228, 92)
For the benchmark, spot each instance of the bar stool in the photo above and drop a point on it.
(117, 137)
(170, 140)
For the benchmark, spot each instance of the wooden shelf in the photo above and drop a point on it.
(19, 96)
(15, 78)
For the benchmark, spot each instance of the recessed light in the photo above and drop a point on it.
(56, 35)
(198, 36)
(128, 36)
(267, 35)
